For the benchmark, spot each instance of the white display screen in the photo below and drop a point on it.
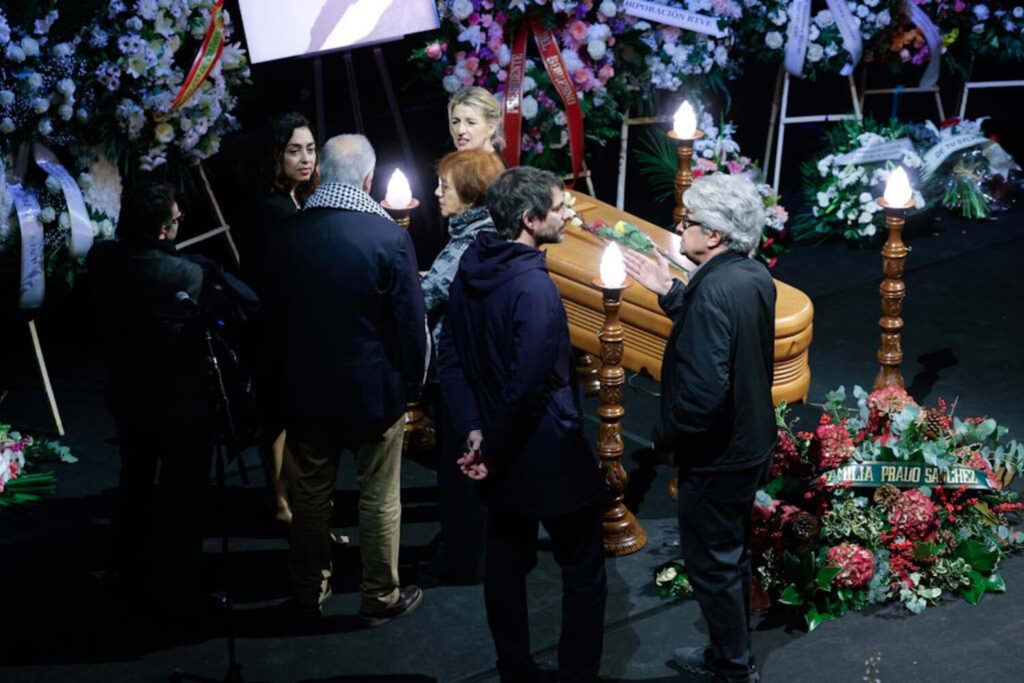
(275, 29)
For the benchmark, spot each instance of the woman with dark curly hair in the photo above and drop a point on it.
(289, 176)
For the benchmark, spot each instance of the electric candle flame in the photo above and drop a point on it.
(399, 195)
(897, 189)
(613, 270)
(684, 123)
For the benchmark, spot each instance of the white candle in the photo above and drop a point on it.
(399, 195)
(897, 189)
(684, 123)
(613, 269)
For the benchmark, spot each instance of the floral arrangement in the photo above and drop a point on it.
(64, 66)
(764, 28)
(903, 42)
(17, 453)
(997, 30)
(473, 47)
(678, 56)
(830, 537)
(973, 179)
(841, 186)
(716, 152)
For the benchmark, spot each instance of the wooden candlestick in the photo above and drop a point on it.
(401, 216)
(684, 176)
(586, 371)
(623, 535)
(893, 291)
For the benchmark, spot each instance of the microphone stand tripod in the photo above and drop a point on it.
(225, 448)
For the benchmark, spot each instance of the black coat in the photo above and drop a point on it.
(507, 369)
(151, 342)
(346, 331)
(716, 375)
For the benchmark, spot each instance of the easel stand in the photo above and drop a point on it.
(978, 85)
(620, 187)
(780, 111)
(41, 362)
(223, 229)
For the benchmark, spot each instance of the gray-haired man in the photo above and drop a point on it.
(716, 405)
(347, 343)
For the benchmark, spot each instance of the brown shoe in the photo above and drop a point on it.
(409, 599)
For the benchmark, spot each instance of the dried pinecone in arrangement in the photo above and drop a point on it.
(947, 538)
(933, 424)
(886, 495)
(804, 528)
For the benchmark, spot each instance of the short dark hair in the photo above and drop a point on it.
(145, 208)
(519, 190)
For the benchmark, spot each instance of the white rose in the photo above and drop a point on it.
(980, 11)
(66, 87)
(609, 8)
(1018, 12)
(862, 11)
(84, 180)
(528, 107)
(721, 56)
(35, 80)
(815, 52)
(813, 32)
(869, 230)
(107, 228)
(504, 55)
(883, 18)
(15, 53)
(823, 199)
(773, 40)
(45, 127)
(30, 46)
(778, 17)
(451, 83)
(40, 105)
(47, 215)
(596, 49)
(528, 84)
(66, 111)
(864, 197)
(6, 125)
(95, 228)
(6, 97)
(65, 220)
(53, 184)
(164, 132)
(461, 9)
(824, 18)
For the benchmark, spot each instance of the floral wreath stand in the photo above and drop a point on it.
(780, 112)
(980, 85)
(900, 90)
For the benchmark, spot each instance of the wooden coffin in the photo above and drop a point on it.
(574, 263)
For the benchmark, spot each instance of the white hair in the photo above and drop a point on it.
(347, 159)
(729, 204)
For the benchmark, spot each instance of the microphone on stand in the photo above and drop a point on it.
(184, 299)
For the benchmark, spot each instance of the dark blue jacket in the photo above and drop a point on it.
(346, 331)
(506, 368)
(716, 375)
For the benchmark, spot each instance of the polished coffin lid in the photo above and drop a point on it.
(573, 265)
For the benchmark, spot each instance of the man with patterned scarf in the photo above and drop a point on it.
(347, 345)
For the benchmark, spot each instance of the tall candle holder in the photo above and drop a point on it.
(623, 535)
(896, 202)
(401, 216)
(684, 176)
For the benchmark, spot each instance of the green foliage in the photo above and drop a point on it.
(656, 154)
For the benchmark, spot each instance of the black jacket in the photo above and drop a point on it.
(346, 332)
(716, 375)
(152, 343)
(506, 368)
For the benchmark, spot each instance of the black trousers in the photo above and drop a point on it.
(714, 526)
(511, 554)
(158, 516)
(460, 552)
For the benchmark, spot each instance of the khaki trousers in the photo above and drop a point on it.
(317, 447)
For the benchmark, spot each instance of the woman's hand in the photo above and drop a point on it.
(652, 274)
(472, 462)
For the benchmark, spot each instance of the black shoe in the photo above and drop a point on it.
(538, 673)
(409, 599)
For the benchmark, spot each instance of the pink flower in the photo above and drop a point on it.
(434, 51)
(783, 214)
(912, 515)
(830, 447)
(502, 75)
(735, 167)
(606, 73)
(578, 30)
(473, 64)
(467, 79)
(707, 165)
(855, 562)
(583, 76)
(960, 6)
(486, 20)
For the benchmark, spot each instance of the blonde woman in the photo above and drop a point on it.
(474, 120)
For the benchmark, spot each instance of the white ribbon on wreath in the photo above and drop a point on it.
(797, 35)
(674, 16)
(931, 36)
(80, 240)
(33, 281)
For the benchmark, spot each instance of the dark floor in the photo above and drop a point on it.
(963, 326)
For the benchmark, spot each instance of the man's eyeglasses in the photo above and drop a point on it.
(687, 222)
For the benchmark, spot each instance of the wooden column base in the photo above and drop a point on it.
(419, 431)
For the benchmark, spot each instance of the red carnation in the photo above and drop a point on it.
(831, 446)
(912, 515)
(784, 455)
(856, 565)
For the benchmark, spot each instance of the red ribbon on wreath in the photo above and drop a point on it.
(560, 79)
(209, 54)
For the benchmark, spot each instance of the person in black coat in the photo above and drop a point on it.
(158, 397)
(346, 341)
(508, 377)
(289, 174)
(716, 405)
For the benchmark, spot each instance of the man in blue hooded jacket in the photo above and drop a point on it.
(507, 375)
